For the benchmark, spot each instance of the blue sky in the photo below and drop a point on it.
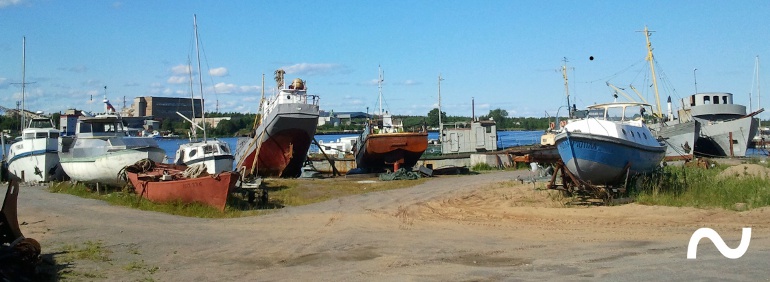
(504, 54)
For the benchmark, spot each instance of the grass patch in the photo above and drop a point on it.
(702, 188)
(89, 250)
(282, 193)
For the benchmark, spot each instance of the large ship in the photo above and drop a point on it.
(278, 144)
(726, 129)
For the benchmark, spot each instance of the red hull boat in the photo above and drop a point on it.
(166, 183)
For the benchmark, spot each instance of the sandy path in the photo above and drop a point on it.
(449, 228)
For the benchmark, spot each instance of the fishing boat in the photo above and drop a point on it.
(611, 141)
(159, 182)
(279, 142)
(101, 148)
(384, 143)
(215, 154)
(34, 158)
(726, 128)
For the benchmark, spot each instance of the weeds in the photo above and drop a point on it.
(702, 188)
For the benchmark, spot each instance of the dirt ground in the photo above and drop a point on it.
(471, 228)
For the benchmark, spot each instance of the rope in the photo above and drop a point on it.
(194, 171)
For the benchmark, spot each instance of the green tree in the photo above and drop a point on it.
(433, 117)
(500, 116)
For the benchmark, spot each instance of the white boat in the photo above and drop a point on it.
(35, 158)
(343, 145)
(101, 148)
(611, 141)
(215, 154)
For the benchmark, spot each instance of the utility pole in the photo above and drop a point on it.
(440, 125)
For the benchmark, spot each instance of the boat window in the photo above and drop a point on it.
(53, 135)
(288, 97)
(716, 99)
(615, 114)
(40, 135)
(29, 135)
(624, 131)
(724, 99)
(192, 152)
(224, 149)
(706, 100)
(633, 113)
(208, 149)
(597, 113)
(86, 128)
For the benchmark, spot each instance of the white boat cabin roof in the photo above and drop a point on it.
(620, 111)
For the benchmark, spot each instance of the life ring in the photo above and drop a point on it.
(562, 123)
(551, 125)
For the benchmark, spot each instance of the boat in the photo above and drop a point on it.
(385, 144)
(726, 128)
(35, 157)
(101, 148)
(279, 143)
(609, 143)
(159, 182)
(215, 154)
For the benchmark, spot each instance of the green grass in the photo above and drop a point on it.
(701, 188)
(89, 250)
(282, 193)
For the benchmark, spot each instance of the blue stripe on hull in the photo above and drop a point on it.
(33, 153)
(601, 160)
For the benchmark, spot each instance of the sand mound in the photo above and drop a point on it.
(745, 170)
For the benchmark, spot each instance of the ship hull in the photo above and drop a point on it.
(679, 138)
(390, 150)
(279, 146)
(210, 190)
(601, 160)
(92, 160)
(726, 138)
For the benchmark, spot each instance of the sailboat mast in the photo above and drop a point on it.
(23, 80)
(200, 79)
(651, 58)
(193, 131)
(379, 86)
(440, 125)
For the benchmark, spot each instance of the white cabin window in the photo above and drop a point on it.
(615, 114)
(716, 99)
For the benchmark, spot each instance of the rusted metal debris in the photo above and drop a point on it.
(19, 256)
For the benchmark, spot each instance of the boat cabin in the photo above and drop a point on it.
(620, 112)
(710, 106)
(40, 128)
(100, 126)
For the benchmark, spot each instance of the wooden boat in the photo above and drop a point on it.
(159, 182)
(279, 144)
(384, 144)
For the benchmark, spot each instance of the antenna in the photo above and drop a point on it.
(440, 125)
(379, 85)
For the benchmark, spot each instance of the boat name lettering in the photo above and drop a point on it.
(584, 145)
(192, 185)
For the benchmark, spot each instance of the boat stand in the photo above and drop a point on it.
(570, 185)
(19, 256)
(251, 187)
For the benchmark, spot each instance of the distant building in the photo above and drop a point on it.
(337, 118)
(166, 107)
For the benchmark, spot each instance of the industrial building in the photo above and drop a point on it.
(161, 108)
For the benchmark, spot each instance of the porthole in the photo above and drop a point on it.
(624, 131)
(288, 97)
(192, 152)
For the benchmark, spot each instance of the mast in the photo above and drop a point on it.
(23, 80)
(379, 86)
(566, 86)
(651, 59)
(193, 132)
(440, 125)
(759, 97)
(200, 79)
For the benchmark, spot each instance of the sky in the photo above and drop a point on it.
(492, 54)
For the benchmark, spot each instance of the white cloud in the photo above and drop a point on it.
(312, 69)
(249, 89)
(177, 79)
(224, 88)
(219, 72)
(180, 69)
(8, 3)
(411, 82)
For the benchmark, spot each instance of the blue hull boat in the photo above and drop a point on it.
(601, 148)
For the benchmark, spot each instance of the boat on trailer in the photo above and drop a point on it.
(611, 142)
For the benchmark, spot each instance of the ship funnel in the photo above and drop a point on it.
(670, 111)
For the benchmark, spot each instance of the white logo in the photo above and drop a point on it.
(712, 235)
